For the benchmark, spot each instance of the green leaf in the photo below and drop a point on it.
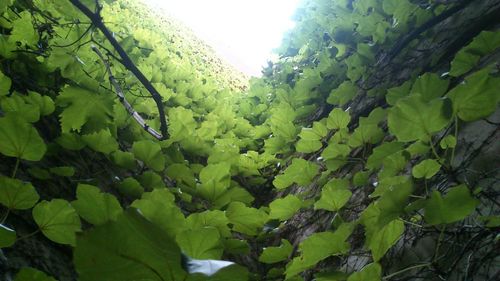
(383, 239)
(7, 236)
(319, 246)
(284, 208)
(397, 93)
(151, 180)
(310, 141)
(338, 119)
(158, 206)
(57, 220)
(336, 151)
(150, 153)
(63, 171)
(245, 219)
(131, 187)
(427, 168)
(124, 159)
(463, 62)
(381, 152)
(366, 133)
(15, 105)
(454, 206)
(23, 31)
(20, 139)
(94, 206)
(276, 254)
(101, 141)
(128, 249)
(430, 86)
(5, 84)
(477, 97)
(215, 180)
(17, 195)
(44, 103)
(300, 172)
(334, 195)
(70, 141)
(343, 94)
(413, 119)
(371, 272)
(202, 243)
(448, 142)
(31, 274)
(83, 107)
(213, 218)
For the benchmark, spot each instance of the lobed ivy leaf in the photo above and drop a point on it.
(414, 119)
(430, 86)
(245, 219)
(57, 220)
(94, 206)
(5, 83)
(319, 246)
(31, 274)
(383, 239)
(338, 119)
(101, 141)
(215, 180)
(150, 153)
(207, 218)
(426, 169)
(300, 172)
(343, 94)
(454, 206)
(128, 249)
(477, 97)
(20, 139)
(202, 243)
(276, 254)
(371, 272)
(382, 151)
(158, 207)
(448, 142)
(334, 195)
(17, 195)
(7, 236)
(82, 107)
(284, 208)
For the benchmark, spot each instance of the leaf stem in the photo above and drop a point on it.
(456, 139)
(28, 235)
(15, 168)
(405, 270)
(440, 238)
(5, 216)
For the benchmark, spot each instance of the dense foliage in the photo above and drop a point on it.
(348, 160)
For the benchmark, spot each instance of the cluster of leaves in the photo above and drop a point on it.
(196, 192)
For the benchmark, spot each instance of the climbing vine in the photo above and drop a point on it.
(367, 151)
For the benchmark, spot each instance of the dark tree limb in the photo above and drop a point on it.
(96, 19)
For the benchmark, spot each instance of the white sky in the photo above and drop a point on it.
(243, 32)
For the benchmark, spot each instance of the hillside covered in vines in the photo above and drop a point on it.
(368, 151)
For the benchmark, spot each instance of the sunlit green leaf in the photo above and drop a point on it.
(19, 138)
(371, 272)
(426, 169)
(338, 119)
(202, 243)
(385, 238)
(245, 219)
(300, 172)
(149, 152)
(334, 195)
(284, 208)
(94, 206)
(31, 274)
(101, 141)
(454, 206)
(276, 254)
(57, 220)
(17, 195)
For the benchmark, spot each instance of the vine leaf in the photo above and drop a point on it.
(477, 97)
(334, 195)
(94, 206)
(20, 139)
(454, 206)
(284, 208)
(17, 195)
(31, 274)
(300, 172)
(215, 180)
(150, 153)
(130, 248)
(414, 119)
(338, 119)
(426, 169)
(430, 86)
(5, 83)
(101, 141)
(201, 243)
(343, 94)
(159, 208)
(7, 236)
(57, 220)
(276, 254)
(319, 246)
(448, 142)
(15, 105)
(383, 239)
(83, 107)
(245, 219)
(371, 272)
